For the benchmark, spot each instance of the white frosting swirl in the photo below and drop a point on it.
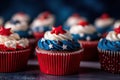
(74, 20)
(13, 40)
(79, 29)
(21, 17)
(43, 22)
(112, 36)
(103, 22)
(65, 36)
(22, 26)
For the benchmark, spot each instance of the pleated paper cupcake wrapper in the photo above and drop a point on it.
(110, 61)
(90, 50)
(59, 63)
(13, 61)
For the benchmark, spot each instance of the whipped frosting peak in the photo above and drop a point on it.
(74, 19)
(80, 29)
(16, 25)
(43, 20)
(11, 40)
(21, 16)
(58, 34)
(114, 35)
(104, 21)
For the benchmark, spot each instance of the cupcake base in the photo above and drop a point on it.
(59, 62)
(13, 61)
(90, 50)
(110, 61)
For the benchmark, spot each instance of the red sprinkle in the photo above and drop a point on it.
(117, 30)
(76, 15)
(58, 30)
(83, 23)
(21, 13)
(45, 15)
(105, 16)
(4, 31)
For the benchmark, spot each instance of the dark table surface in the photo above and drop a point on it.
(88, 71)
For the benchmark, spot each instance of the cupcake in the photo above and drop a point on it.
(73, 20)
(87, 36)
(58, 53)
(22, 28)
(109, 51)
(14, 51)
(104, 23)
(43, 23)
(21, 16)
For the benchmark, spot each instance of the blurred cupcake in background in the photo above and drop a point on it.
(21, 16)
(88, 37)
(58, 53)
(42, 23)
(104, 23)
(22, 28)
(109, 51)
(73, 20)
(14, 51)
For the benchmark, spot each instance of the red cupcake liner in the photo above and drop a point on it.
(13, 61)
(59, 62)
(90, 50)
(33, 44)
(38, 35)
(110, 61)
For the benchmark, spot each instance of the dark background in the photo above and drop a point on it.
(61, 8)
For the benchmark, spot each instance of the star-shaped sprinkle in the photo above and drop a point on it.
(5, 31)
(64, 47)
(58, 30)
(50, 46)
(42, 40)
(88, 38)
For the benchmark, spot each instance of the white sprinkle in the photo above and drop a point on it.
(42, 40)
(64, 46)
(50, 46)
(81, 34)
(30, 32)
(88, 38)
(101, 39)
